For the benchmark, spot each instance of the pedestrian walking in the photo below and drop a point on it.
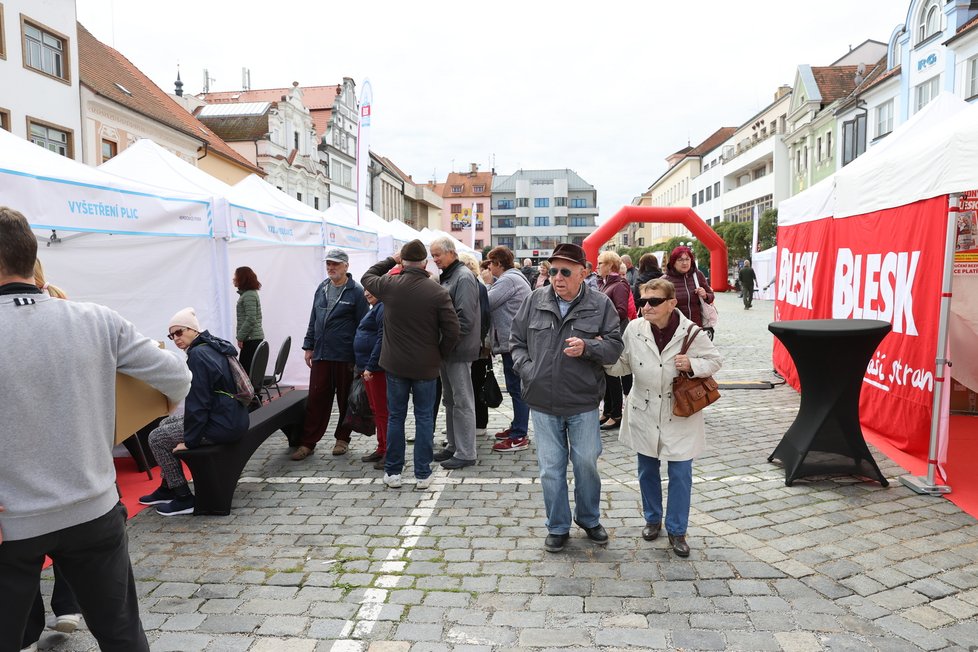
(691, 286)
(748, 279)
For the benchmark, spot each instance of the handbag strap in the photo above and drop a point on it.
(690, 336)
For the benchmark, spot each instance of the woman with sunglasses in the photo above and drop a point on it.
(649, 427)
(691, 285)
(211, 413)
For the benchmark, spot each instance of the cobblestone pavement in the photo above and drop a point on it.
(319, 555)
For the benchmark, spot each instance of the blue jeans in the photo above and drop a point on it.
(521, 411)
(423, 392)
(680, 489)
(577, 438)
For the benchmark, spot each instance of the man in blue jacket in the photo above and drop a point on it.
(337, 308)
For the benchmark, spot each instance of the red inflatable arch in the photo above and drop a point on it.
(684, 216)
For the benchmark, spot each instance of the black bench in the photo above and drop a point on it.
(217, 468)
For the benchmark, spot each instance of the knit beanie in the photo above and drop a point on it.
(186, 318)
(414, 251)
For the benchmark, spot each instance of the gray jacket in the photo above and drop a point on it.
(506, 295)
(463, 287)
(58, 360)
(553, 382)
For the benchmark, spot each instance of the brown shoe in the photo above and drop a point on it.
(679, 545)
(301, 453)
(651, 531)
(379, 464)
(373, 457)
(341, 447)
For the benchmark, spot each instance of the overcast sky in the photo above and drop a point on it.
(607, 88)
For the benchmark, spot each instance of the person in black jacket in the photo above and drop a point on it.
(648, 269)
(211, 413)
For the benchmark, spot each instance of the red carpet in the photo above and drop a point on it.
(133, 483)
(962, 461)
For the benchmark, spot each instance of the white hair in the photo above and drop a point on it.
(444, 243)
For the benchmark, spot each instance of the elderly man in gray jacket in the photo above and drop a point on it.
(562, 337)
(456, 367)
(506, 294)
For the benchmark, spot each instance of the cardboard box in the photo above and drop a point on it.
(963, 400)
(136, 404)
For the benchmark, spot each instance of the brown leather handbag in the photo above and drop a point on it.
(689, 394)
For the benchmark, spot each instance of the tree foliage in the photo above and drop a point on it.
(767, 230)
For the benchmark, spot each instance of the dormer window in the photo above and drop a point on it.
(456, 188)
(929, 22)
(478, 188)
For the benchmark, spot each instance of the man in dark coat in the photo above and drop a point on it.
(420, 329)
(747, 281)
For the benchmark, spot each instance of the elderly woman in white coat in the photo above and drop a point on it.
(651, 355)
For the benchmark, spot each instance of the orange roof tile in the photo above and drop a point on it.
(467, 181)
(104, 70)
(834, 82)
(879, 79)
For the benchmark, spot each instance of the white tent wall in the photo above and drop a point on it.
(289, 277)
(144, 279)
(765, 268)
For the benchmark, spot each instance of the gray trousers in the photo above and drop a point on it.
(459, 400)
(162, 440)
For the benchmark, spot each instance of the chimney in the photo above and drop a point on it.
(783, 90)
(473, 168)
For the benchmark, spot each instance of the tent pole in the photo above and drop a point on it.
(928, 485)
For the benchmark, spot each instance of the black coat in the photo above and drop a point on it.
(210, 409)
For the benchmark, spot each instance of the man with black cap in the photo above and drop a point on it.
(420, 328)
(562, 337)
(337, 308)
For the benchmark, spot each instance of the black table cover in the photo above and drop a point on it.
(831, 356)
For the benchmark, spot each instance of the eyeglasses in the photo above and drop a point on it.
(684, 260)
(563, 271)
(177, 333)
(651, 301)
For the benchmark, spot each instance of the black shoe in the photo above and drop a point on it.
(373, 457)
(651, 531)
(555, 542)
(679, 545)
(455, 463)
(163, 494)
(597, 533)
(610, 424)
(177, 506)
(443, 455)
(379, 464)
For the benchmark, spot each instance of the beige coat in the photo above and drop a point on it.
(648, 426)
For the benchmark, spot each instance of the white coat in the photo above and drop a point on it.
(648, 424)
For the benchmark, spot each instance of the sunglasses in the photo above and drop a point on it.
(654, 302)
(563, 271)
(177, 333)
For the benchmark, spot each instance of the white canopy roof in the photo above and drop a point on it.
(55, 192)
(429, 235)
(144, 159)
(933, 153)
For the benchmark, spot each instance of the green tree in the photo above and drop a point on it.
(767, 229)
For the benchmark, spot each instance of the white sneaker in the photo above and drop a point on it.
(423, 484)
(67, 623)
(393, 481)
(480, 432)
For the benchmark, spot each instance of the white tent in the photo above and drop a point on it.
(284, 249)
(391, 235)
(140, 249)
(933, 153)
(359, 241)
(427, 236)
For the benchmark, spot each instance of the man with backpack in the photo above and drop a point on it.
(215, 412)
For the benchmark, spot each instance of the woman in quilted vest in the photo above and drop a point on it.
(249, 332)
(652, 355)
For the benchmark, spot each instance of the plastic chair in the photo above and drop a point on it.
(279, 370)
(259, 364)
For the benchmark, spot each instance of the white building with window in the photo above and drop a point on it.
(935, 49)
(535, 210)
(39, 97)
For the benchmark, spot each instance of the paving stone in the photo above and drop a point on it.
(798, 642)
(912, 632)
(631, 638)
(699, 639)
(530, 637)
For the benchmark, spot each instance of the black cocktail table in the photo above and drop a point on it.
(831, 356)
